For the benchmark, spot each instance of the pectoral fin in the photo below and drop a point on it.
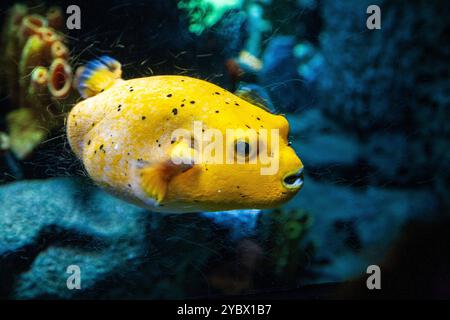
(154, 182)
(155, 179)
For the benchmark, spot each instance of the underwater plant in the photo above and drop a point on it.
(289, 253)
(37, 74)
(203, 14)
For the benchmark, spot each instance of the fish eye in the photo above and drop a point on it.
(244, 150)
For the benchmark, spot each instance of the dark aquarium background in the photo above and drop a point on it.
(370, 118)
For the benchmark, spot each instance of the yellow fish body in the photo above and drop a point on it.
(124, 134)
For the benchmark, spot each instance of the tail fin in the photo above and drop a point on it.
(98, 75)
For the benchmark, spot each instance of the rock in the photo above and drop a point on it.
(48, 225)
(392, 91)
(327, 151)
(279, 74)
(122, 251)
(242, 223)
(126, 252)
(395, 160)
(353, 227)
(310, 122)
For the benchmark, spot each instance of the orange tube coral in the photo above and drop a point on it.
(32, 55)
(59, 50)
(55, 18)
(30, 26)
(39, 78)
(60, 79)
(48, 35)
(34, 60)
(37, 97)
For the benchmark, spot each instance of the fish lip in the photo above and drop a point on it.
(297, 179)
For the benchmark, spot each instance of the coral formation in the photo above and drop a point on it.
(37, 73)
(392, 91)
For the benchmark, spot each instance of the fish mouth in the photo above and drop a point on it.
(294, 180)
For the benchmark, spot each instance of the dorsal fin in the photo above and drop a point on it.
(256, 95)
(98, 75)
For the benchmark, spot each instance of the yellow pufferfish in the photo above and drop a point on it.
(122, 132)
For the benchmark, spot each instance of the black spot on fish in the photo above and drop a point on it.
(169, 95)
(247, 126)
(226, 102)
(218, 93)
(236, 104)
(174, 111)
(159, 145)
(182, 105)
(139, 159)
(101, 147)
(89, 142)
(75, 124)
(238, 187)
(129, 185)
(172, 142)
(131, 89)
(102, 90)
(157, 140)
(93, 124)
(192, 102)
(143, 118)
(128, 153)
(257, 118)
(217, 111)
